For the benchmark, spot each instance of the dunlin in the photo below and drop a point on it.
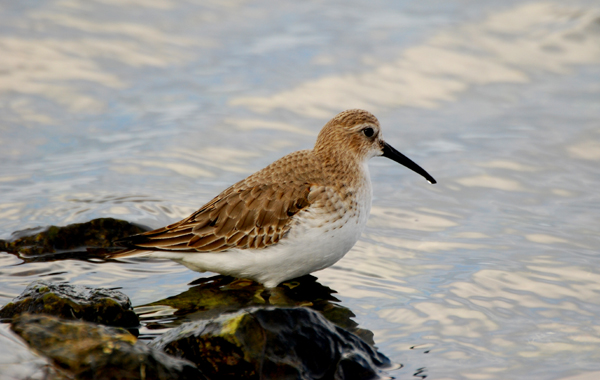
(298, 215)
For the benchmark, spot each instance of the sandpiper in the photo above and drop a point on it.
(300, 214)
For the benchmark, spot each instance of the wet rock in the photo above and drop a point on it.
(211, 297)
(273, 343)
(18, 361)
(108, 307)
(89, 351)
(72, 241)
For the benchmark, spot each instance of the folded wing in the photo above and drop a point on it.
(240, 217)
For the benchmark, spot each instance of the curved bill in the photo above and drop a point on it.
(393, 154)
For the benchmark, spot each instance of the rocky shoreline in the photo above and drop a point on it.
(221, 328)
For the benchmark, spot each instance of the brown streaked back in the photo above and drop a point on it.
(254, 213)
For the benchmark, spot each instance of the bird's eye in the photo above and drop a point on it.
(369, 132)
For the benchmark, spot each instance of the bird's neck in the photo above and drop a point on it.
(343, 170)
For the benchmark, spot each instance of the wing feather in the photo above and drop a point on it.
(241, 217)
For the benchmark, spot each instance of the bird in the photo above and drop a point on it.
(300, 214)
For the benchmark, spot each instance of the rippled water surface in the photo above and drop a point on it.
(143, 110)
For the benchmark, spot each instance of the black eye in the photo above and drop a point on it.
(369, 132)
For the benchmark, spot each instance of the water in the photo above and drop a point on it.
(143, 110)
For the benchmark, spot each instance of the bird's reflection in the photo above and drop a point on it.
(209, 297)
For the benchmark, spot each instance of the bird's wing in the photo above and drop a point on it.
(240, 217)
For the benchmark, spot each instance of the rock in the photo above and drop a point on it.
(273, 343)
(108, 307)
(72, 241)
(89, 351)
(211, 297)
(18, 361)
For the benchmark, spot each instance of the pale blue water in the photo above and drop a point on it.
(143, 110)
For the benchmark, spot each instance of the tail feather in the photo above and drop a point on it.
(127, 252)
(132, 241)
(147, 242)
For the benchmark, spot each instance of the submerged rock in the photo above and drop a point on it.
(89, 351)
(273, 343)
(211, 297)
(72, 241)
(108, 307)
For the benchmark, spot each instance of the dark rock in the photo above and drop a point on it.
(211, 297)
(273, 343)
(89, 351)
(108, 307)
(72, 241)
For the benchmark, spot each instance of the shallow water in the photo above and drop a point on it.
(143, 110)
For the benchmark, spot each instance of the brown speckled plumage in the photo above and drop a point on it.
(258, 211)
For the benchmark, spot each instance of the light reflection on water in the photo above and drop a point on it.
(147, 112)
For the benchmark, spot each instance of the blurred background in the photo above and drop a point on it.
(143, 110)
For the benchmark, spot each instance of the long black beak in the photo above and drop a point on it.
(393, 154)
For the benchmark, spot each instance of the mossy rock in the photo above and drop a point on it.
(273, 343)
(105, 306)
(210, 297)
(90, 351)
(52, 243)
(19, 361)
